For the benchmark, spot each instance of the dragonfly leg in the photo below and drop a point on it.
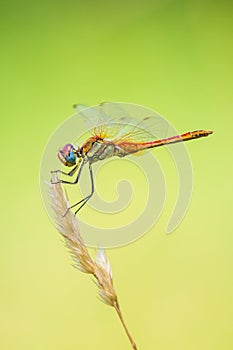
(72, 172)
(86, 199)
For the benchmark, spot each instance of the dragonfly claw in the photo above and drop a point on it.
(66, 212)
(55, 182)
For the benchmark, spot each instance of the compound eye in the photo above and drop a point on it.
(71, 157)
(67, 155)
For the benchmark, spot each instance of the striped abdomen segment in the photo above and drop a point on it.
(136, 147)
(179, 138)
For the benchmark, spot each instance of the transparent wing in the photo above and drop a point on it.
(123, 122)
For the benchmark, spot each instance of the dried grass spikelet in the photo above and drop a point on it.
(100, 268)
(69, 229)
(103, 275)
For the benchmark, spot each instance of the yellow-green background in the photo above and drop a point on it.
(172, 56)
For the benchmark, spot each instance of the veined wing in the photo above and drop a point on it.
(123, 122)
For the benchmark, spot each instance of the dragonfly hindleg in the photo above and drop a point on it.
(86, 199)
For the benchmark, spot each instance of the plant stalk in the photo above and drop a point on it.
(117, 308)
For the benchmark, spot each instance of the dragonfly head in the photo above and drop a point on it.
(68, 155)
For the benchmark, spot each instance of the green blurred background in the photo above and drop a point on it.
(172, 56)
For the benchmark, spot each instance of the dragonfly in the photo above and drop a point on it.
(113, 136)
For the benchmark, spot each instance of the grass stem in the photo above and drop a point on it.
(118, 310)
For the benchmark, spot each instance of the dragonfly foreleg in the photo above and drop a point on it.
(72, 172)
